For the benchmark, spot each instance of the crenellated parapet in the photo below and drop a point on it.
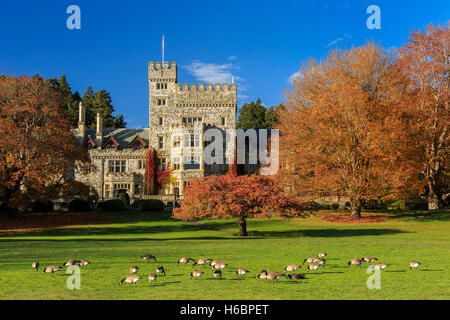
(162, 72)
(205, 94)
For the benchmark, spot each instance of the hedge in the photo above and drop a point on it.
(152, 205)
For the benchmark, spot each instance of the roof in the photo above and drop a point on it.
(123, 136)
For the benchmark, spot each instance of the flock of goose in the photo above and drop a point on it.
(314, 262)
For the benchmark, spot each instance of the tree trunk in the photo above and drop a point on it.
(356, 209)
(242, 223)
(433, 199)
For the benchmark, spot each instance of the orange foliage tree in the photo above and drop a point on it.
(38, 151)
(230, 196)
(421, 95)
(332, 137)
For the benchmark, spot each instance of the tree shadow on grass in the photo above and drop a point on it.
(336, 233)
(425, 216)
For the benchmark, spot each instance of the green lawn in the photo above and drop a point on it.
(117, 244)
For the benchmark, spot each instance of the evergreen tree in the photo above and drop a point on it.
(252, 115)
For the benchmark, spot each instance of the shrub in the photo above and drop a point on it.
(78, 205)
(152, 205)
(112, 205)
(397, 205)
(41, 206)
(124, 197)
(136, 204)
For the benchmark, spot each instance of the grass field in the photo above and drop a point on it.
(116, 244)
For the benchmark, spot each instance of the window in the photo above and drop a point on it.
(162, 164)
(176, 142)
(160, 121)
(192, 120)
(176, 163)
(160, 86)
(186, 184)
(191, 163)
(191, 140)
(141, 164)
(110, 145)
(162, 102)
(223, 121)
(116, 166)
(87, 169)
(161, 142)
(137, 146)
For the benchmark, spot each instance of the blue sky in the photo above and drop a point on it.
(261, 43)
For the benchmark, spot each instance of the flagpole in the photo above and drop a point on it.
(163, 50)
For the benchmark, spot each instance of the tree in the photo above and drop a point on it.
(332, 140)
(231, 196)
(38, 152)
(154, 178)
(271, 116)
(252, 115)
(421, 92)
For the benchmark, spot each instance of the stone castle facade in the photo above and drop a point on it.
(179, 114)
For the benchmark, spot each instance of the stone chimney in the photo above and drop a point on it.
(81, 121)
(99, 134)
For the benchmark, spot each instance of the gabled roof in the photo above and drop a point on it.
(111, 139)
(136, 140)
(123, 136)
(91, 142)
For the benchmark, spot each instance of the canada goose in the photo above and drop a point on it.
(217, 273)
(203, 262)
(322, 262)
(369, 259)
(130, 279)
(184, 260)
(71, 263)
(262, 275)
(313, 266)
(152, 277)
(295, 276)
(161, 269)
(355, 261)
(35, 265)
(213, 263)
(220, 265)
(381, 266)
(274, 276)
(291, 267)
(148, 257)
(84, 262)
(196, 273)
(51, 269)
(310, 259)
(414, 264)
(134, 269)
(241, 272)
(321, 255)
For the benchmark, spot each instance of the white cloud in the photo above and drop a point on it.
(335, 41)
(213, 72)
(294, 76)
(218, 73)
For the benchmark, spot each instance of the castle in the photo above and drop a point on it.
(178, 116)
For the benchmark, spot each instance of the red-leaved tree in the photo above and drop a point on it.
(230, 196)
(154, 179)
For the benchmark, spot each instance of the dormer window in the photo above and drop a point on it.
(111, 143)
(138, 143)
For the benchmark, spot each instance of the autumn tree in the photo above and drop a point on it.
(232, 196)
(155, 177)
(38, 152)
(332, 140)
(421, 95)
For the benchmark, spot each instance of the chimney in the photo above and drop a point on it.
(99, 134)
(81, 120)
